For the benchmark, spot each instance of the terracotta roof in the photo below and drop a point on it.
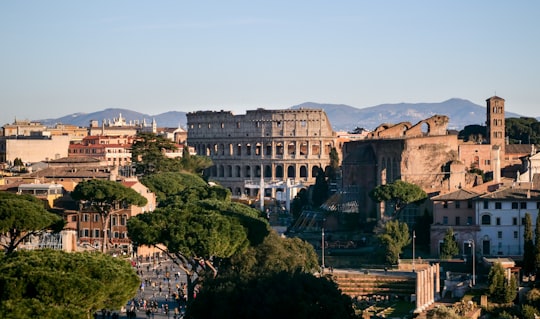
(76, 160)
(518, 148)
(69, 172)
(513, 193)
(461, 194)
(129, 183)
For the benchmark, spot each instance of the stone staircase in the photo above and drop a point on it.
(355, 283)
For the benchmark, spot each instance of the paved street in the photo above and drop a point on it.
(159, 295)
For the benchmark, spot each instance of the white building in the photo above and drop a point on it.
(501, 217)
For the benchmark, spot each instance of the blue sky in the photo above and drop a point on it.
(62, 57)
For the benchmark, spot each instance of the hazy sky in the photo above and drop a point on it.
(62, 57)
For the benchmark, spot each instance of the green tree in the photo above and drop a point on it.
(394, 235)
(22, 216)
(501, 289)
(194, 163)
(523, 130)
(449, 246)
(56, 284)
(274, 255)
(398, 195)
(300, 201)
(194, 236)
(148, 154)
(106, 197)
(320, 189)
(166, 184)
(473, 133)
(529, 258)
(282, 295)
(332, 170)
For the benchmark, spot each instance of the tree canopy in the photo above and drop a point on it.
(394, 235)
(56, 284)
(22, 216)
(523, 130)
(195, 236)
(398, 195)
(105, 197)
(529, 258)
(501, 289)
(274, 255)
(166, 184)
(449, 246)
(277, 295)
(147, 154)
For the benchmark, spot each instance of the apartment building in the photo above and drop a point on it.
(113, 150)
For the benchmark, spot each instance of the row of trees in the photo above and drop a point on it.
(53, 284)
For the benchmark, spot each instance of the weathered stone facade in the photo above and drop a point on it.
(423, 154)
(275, 144)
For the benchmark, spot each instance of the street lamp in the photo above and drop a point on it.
(471, 244)
(413, 244)
(322, 245)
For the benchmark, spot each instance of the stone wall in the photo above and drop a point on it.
(273, 144)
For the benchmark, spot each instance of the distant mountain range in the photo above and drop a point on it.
(342, 117)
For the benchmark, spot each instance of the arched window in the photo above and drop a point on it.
(291, 172)
(303, 171)
(291, 148)
(279, 171)
(486, 219)
(268, 171)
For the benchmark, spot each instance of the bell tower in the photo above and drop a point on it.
(495, 123)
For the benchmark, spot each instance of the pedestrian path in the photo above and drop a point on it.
(160, 295)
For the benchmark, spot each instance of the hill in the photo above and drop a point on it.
(343, 117)
(168, 119)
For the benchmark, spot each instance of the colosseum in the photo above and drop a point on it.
(278, 145)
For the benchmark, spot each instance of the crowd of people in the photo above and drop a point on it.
(162, 293)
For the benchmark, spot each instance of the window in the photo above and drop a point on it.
(458, 221)
(523, 221)
(96, 233)
(85, 217)
(469, 204)
(445, 220)
(514, 205)
(523, 205)
(96, 218)
(498, 221)
(73, 218)
(498, 205)
(86, 233)
(537, 205)
(514, 220)
(445, 204)
(486, 219)
(499, 234)
(515, 234)
(458, 204)
(486, 204)
(469, 220)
